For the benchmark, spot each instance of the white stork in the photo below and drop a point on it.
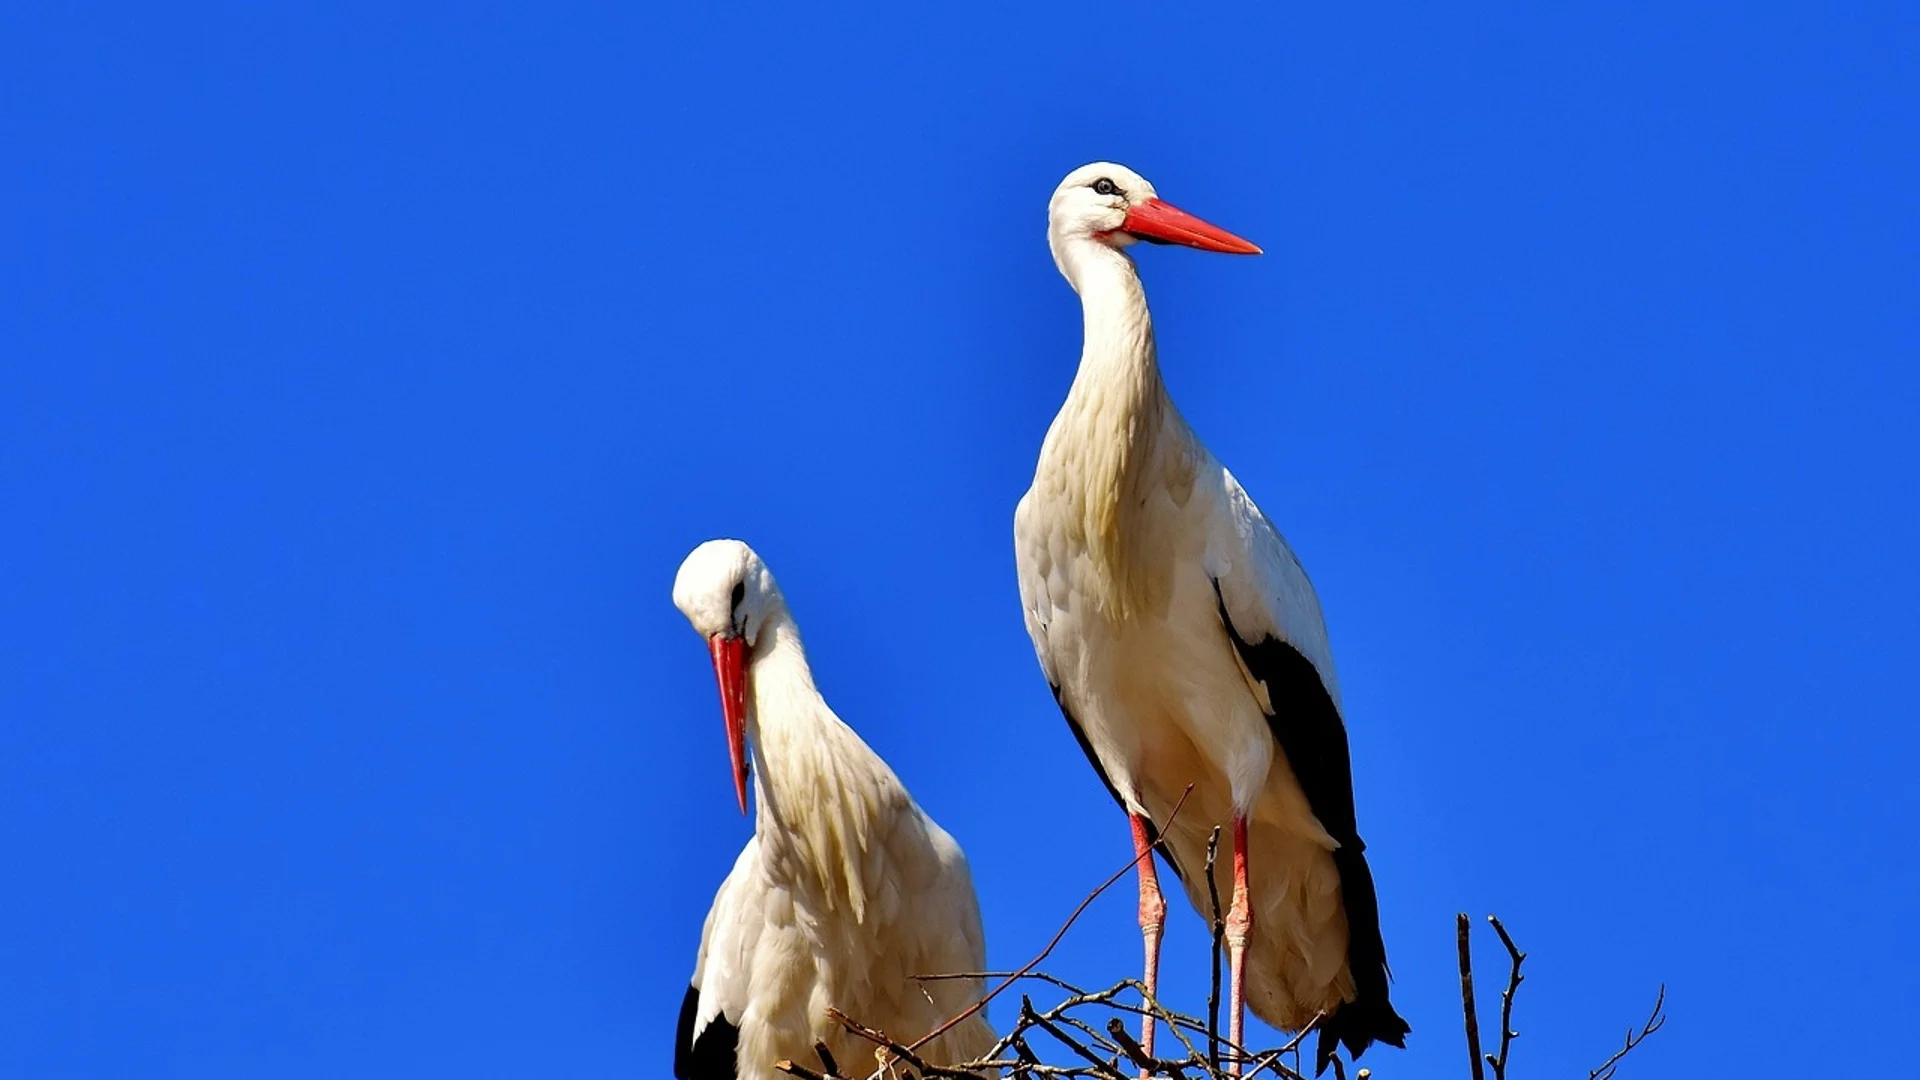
(847, 888)
(1185, 645)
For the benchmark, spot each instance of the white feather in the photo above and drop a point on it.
(1120, 541)
(847, 888)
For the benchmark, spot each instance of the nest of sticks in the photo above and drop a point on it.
(1084, 1033)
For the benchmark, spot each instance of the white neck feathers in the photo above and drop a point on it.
(1109, 434)
(822, 796)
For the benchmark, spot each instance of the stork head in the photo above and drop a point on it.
(1113, 205)
(727, 593)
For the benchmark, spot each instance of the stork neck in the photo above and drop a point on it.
(816, 784)
(781, 678)
(786, 719)
(1108, 434)
(1118, 351)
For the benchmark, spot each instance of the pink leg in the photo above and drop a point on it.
(1239, 931)
(1153, 916)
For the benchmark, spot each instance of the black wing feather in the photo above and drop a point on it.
(709, 1056)
(1307, 725)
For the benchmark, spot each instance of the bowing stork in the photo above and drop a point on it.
(1185, 645)
(847, 888)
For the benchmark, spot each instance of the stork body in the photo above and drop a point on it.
(847, 888)
(1185, 645)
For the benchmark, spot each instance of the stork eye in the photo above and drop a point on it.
(739, 594)
(1104, 186)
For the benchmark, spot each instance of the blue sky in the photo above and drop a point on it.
(367, 373)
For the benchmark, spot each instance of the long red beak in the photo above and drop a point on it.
(730, 667)
(1152, 219)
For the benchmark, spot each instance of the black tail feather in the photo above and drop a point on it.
(1369, 1017)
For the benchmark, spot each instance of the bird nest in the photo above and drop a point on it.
(1085, 1032)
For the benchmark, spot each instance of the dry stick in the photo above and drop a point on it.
(905, 1053)
(1272, 1058)
(1514, 979)
(1139, 1056)
(1179, 1023)
(801, 1071)
(1654, 1023)
(1028, 1016)
(1219, 935)
(1175, 1020)
(1044, 953)
(1465, 929)
(1061, 1016)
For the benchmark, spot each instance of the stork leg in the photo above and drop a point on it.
(1239, 932)
(1153, 916)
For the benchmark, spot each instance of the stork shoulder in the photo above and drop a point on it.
(722, 973)
(1264, 590)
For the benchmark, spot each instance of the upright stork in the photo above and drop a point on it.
(846, 890)
(1185, 645)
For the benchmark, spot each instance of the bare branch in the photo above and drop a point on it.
(1463, 929)
(1027, 1015)
(1655, 1021)
(904, 1053)
(1138, 1055)
(1219, 936)
(1514, 979)
(801, 1071)
(1068, 925)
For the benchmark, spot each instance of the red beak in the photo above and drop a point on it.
(730, 667)
(1151, 219)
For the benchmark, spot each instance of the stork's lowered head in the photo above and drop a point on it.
(727, 593)
(1113, 205)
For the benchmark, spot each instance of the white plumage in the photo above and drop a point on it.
(1186, 646)
(847, 888)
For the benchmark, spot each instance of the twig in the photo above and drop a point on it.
(1083, 997)
(1028, 1016)
(1179, 1023)
(1514, 979)
(1272, 1058)
(801, 1071)
(905, 1053)
(1655, 1021)
(1139, 1056)
(1463, 931)
(1219, 935)
(1064, 927)
(1175, 1021)
(1061, 1016)
(826, 1059)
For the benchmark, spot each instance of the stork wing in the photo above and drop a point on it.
(1034, 560)
(1272, 616)
(1263, 590)
(708, 1034)
(1041, 580)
